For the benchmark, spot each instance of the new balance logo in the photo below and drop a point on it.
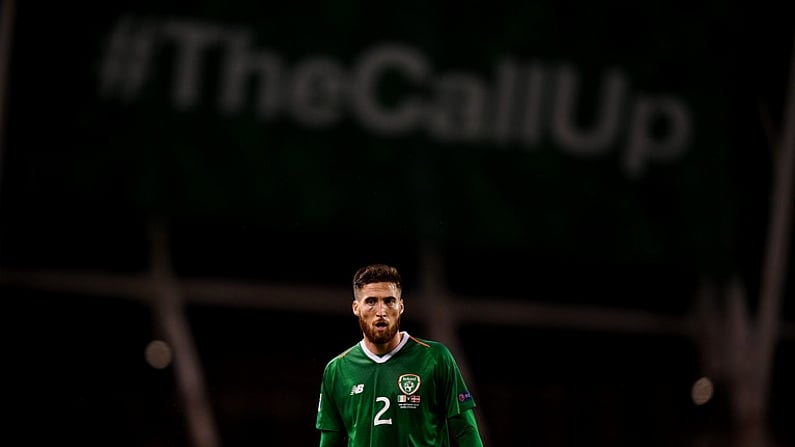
(357, 389)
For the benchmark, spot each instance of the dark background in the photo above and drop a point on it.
(275, 201)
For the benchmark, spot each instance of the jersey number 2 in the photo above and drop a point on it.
(378, 420)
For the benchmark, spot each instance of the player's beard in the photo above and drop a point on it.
(379, 338)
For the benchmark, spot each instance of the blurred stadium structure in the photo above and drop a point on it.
(590, 252)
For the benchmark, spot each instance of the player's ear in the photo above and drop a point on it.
(402, 308)
(355, 307)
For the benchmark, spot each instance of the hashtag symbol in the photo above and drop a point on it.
(125, 66)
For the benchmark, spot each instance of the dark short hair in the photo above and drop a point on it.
(376, 273)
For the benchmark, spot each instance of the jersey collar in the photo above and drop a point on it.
(404, 338)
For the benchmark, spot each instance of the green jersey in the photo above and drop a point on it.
(401, 399)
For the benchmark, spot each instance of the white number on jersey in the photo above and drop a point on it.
(378, 420)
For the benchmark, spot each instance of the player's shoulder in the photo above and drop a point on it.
(342, 355)
(432, 345)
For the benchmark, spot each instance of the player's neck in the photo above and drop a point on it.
(384, 348)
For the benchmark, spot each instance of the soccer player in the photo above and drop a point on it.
(392, 389)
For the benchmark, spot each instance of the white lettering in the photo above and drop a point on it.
(603, 134)
(457, 113)
(643, 145)
(317, 89)
(504, 106)
(533, 105)
(191, 38)
(370, 70)
(391, 89)
(240, 65)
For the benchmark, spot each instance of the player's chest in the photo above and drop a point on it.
(403, 384)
